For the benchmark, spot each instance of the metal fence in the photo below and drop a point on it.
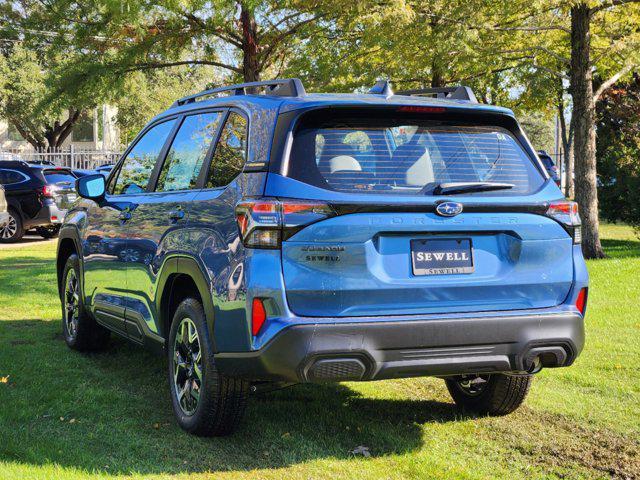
(71, 157)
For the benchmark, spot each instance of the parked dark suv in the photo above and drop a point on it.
(275, 237)
(37, 198)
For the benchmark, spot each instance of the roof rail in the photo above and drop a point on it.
(287, 87)
(382, 87)
(450, 93)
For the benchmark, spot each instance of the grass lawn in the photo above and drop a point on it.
(67, 415)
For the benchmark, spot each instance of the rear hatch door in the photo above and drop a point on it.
(392, 247)
(62, 182)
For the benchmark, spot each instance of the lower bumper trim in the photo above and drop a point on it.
(398, 349)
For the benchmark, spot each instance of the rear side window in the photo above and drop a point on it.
(408, 156)
(188, 152)
(137, 167)
(230, 153)
(59, 176)
(9, 177)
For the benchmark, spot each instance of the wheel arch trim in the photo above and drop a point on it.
(184, 265)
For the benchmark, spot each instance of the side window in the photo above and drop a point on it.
(188, 151)
(231, 152)
(136, 169)
(8, 177)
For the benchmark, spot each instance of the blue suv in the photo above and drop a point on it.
(260, 236)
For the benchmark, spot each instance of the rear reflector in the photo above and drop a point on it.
(258, 316)
(581, 301)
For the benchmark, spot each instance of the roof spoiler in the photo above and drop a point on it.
(288, 87)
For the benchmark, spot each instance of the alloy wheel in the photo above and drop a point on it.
(187, 366)
(71, 303)
(9, 230)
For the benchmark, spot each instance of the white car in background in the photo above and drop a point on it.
(4, 214)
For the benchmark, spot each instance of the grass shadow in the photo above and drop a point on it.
(113, 408)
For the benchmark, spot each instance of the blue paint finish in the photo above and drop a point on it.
(373, 275)
(525, 263)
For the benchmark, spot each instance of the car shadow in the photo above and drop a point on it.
(111, 412)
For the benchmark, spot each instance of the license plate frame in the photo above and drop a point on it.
(447, 256)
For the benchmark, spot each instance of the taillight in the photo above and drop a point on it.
(258, 316)
(264, 223)
(581, 301)
(47, 191)
(566, 212)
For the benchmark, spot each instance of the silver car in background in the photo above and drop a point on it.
(4, 214)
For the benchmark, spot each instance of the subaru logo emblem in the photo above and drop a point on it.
(449, 209)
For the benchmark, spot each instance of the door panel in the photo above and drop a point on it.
(158, 226)
(152, 232)
(104, 263)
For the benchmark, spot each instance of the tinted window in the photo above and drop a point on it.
(230, 153)
(7, 177)
(408, 156)
(188, 151)
(59, 176)
(136, 169)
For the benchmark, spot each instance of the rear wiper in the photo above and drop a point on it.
(468, 187)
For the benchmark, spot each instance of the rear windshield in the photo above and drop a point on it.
(55, 177)
(408, 156)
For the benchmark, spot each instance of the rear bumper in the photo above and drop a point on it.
(433, 346)
(48, 215)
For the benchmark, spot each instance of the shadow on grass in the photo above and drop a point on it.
(621, 248)
(122, 419)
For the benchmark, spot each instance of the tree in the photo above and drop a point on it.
(243, 38)
(618, 152)
(583, 16)
(591, 44)
(149, 93)
(24, 101)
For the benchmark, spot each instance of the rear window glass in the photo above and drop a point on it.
(59, 176)
(408, 156)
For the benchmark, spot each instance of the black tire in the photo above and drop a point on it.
(81, 332)
(496, 394)
(221, 399)
(48, 232)
(14, 230)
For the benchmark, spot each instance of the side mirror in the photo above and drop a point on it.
(92, 186)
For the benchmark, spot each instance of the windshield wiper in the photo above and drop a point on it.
(468, 187)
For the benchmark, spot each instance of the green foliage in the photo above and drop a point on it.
(618, 149)
(25, 84)
(146, 94)
(540, 128)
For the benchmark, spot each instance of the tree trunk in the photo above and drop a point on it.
(250, 65)
(583, 119)
(437, 74)
(566, 138)
(57, 133)
(437, 78)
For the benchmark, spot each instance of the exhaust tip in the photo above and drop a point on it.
(548, 357)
